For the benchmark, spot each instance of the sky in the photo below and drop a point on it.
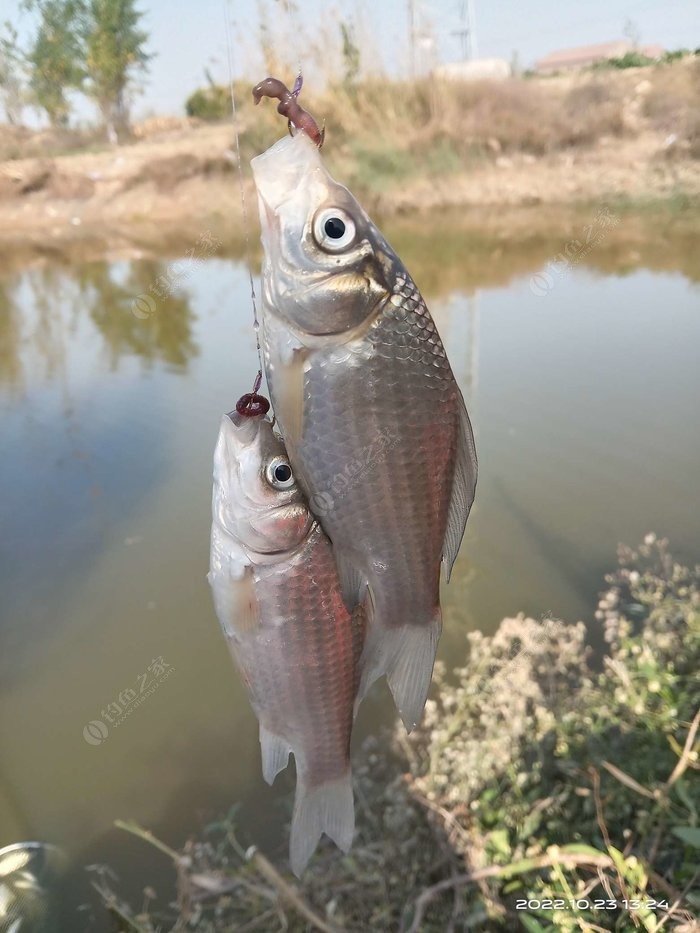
(188, 36)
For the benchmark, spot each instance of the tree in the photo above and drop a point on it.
(351, 54)
(12, 75)
(55, 57)
(114, 57)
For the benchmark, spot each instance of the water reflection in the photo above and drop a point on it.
(42, 311)
(161, 332)
(461, 251)
(10, 336)
(581, 402)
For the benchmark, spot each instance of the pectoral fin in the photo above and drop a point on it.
(288, 395)
(410, 669)
(275, 754)
(353, 583)
(463, 488)
(236, 603)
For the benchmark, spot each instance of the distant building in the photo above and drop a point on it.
(475, 69)
(587, 55)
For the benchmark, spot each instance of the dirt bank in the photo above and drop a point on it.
(627, 138)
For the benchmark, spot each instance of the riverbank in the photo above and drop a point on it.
(541, 789)
(622, 138)
(160, 190)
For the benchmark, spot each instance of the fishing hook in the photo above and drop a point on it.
(289, 107)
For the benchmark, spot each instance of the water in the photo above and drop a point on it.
(584, 403)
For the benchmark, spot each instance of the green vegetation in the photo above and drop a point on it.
(538, 776)
(54, 59)
(114, 49)
(384, 132)
(209, 103)
(677, 54)
(628, 60)
(12, 78)
(351, 55)
(639, 60)
(95, 47)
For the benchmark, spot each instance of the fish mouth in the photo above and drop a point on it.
(281, 169)
(241, 430)
(271, 228)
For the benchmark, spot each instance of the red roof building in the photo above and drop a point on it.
(587, 55)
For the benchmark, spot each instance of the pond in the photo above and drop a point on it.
(582, 379)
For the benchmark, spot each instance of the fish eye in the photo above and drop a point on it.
(279, 473)
(334, 230)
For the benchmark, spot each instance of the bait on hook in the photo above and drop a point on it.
(289, 106)
(252, 405)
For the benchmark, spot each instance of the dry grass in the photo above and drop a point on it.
(20, 142)
(511, 115)
(673, 103)
(384, 130)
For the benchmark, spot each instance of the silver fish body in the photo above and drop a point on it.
(30, 879)
(278, 599)
(373, 419)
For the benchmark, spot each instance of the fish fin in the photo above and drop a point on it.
(463, 487)
(289, 392)
(275, 754)
(247, 612)
(410, 668)
(236, 603)
(363, 616)
(353, 583)
(327, 808)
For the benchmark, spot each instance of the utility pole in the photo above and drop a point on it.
(467, 29)
(412, 35)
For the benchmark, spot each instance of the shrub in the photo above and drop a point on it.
(628, 60)
(209, 103)
(537, 776)
(673, 103)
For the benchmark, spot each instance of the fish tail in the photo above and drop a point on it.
(326, 808)
(411, 657)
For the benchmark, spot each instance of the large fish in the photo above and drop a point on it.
(373, 420)
(278, 599)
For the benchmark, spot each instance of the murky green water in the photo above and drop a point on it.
(584, 401)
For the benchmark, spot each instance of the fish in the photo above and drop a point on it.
(375, 424)
(30, 878)
(278, 599)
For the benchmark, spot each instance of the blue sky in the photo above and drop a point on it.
(189, 35)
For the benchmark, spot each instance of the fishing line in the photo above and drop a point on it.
(294, 31)
(244, 209)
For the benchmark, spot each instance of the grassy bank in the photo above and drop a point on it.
(544, 791)
(629, 136)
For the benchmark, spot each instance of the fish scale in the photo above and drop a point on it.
(279, 602)
(355, 365)
(424, 399)
(305, 627)
(425, 405)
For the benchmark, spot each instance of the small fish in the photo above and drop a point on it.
(359, 378)
(278, 599)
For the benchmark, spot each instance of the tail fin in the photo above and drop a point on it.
(411, 656)
(327, 808)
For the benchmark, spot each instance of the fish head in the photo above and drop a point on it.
(327, 266)
(256, 498)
